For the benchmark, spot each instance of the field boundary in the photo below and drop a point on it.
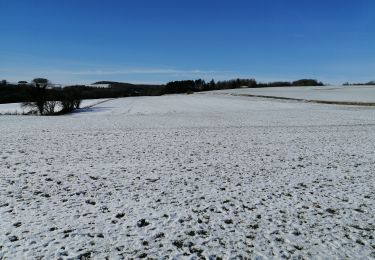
(97, 103)
(346, 103)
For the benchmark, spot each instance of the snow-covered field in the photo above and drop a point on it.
(16, 108)
(12, 108)
(326, 93)
(189, 175)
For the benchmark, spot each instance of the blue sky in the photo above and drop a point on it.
(82, 41)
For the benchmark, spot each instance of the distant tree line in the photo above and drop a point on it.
(186, 86)
(44, 98)
(370, 83)
(297, 83)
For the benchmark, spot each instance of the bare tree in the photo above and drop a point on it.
(30, 106)
(49, 107)
(71, 99)
(39, 95)
(77, 103)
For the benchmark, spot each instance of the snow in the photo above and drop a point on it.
(100, 85)
(92, 102)
(12, 108)
(189, 175)
(326, 93)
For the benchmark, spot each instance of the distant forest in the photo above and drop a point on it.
(370, 83)
(25, 91)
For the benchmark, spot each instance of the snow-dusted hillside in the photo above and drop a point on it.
(326, 93)
(189, 175)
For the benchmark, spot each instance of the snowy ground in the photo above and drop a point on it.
(12, 108)
(16, 108)
(189, 175)
(326, 93)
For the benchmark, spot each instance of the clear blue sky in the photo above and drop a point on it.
(81, 41)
